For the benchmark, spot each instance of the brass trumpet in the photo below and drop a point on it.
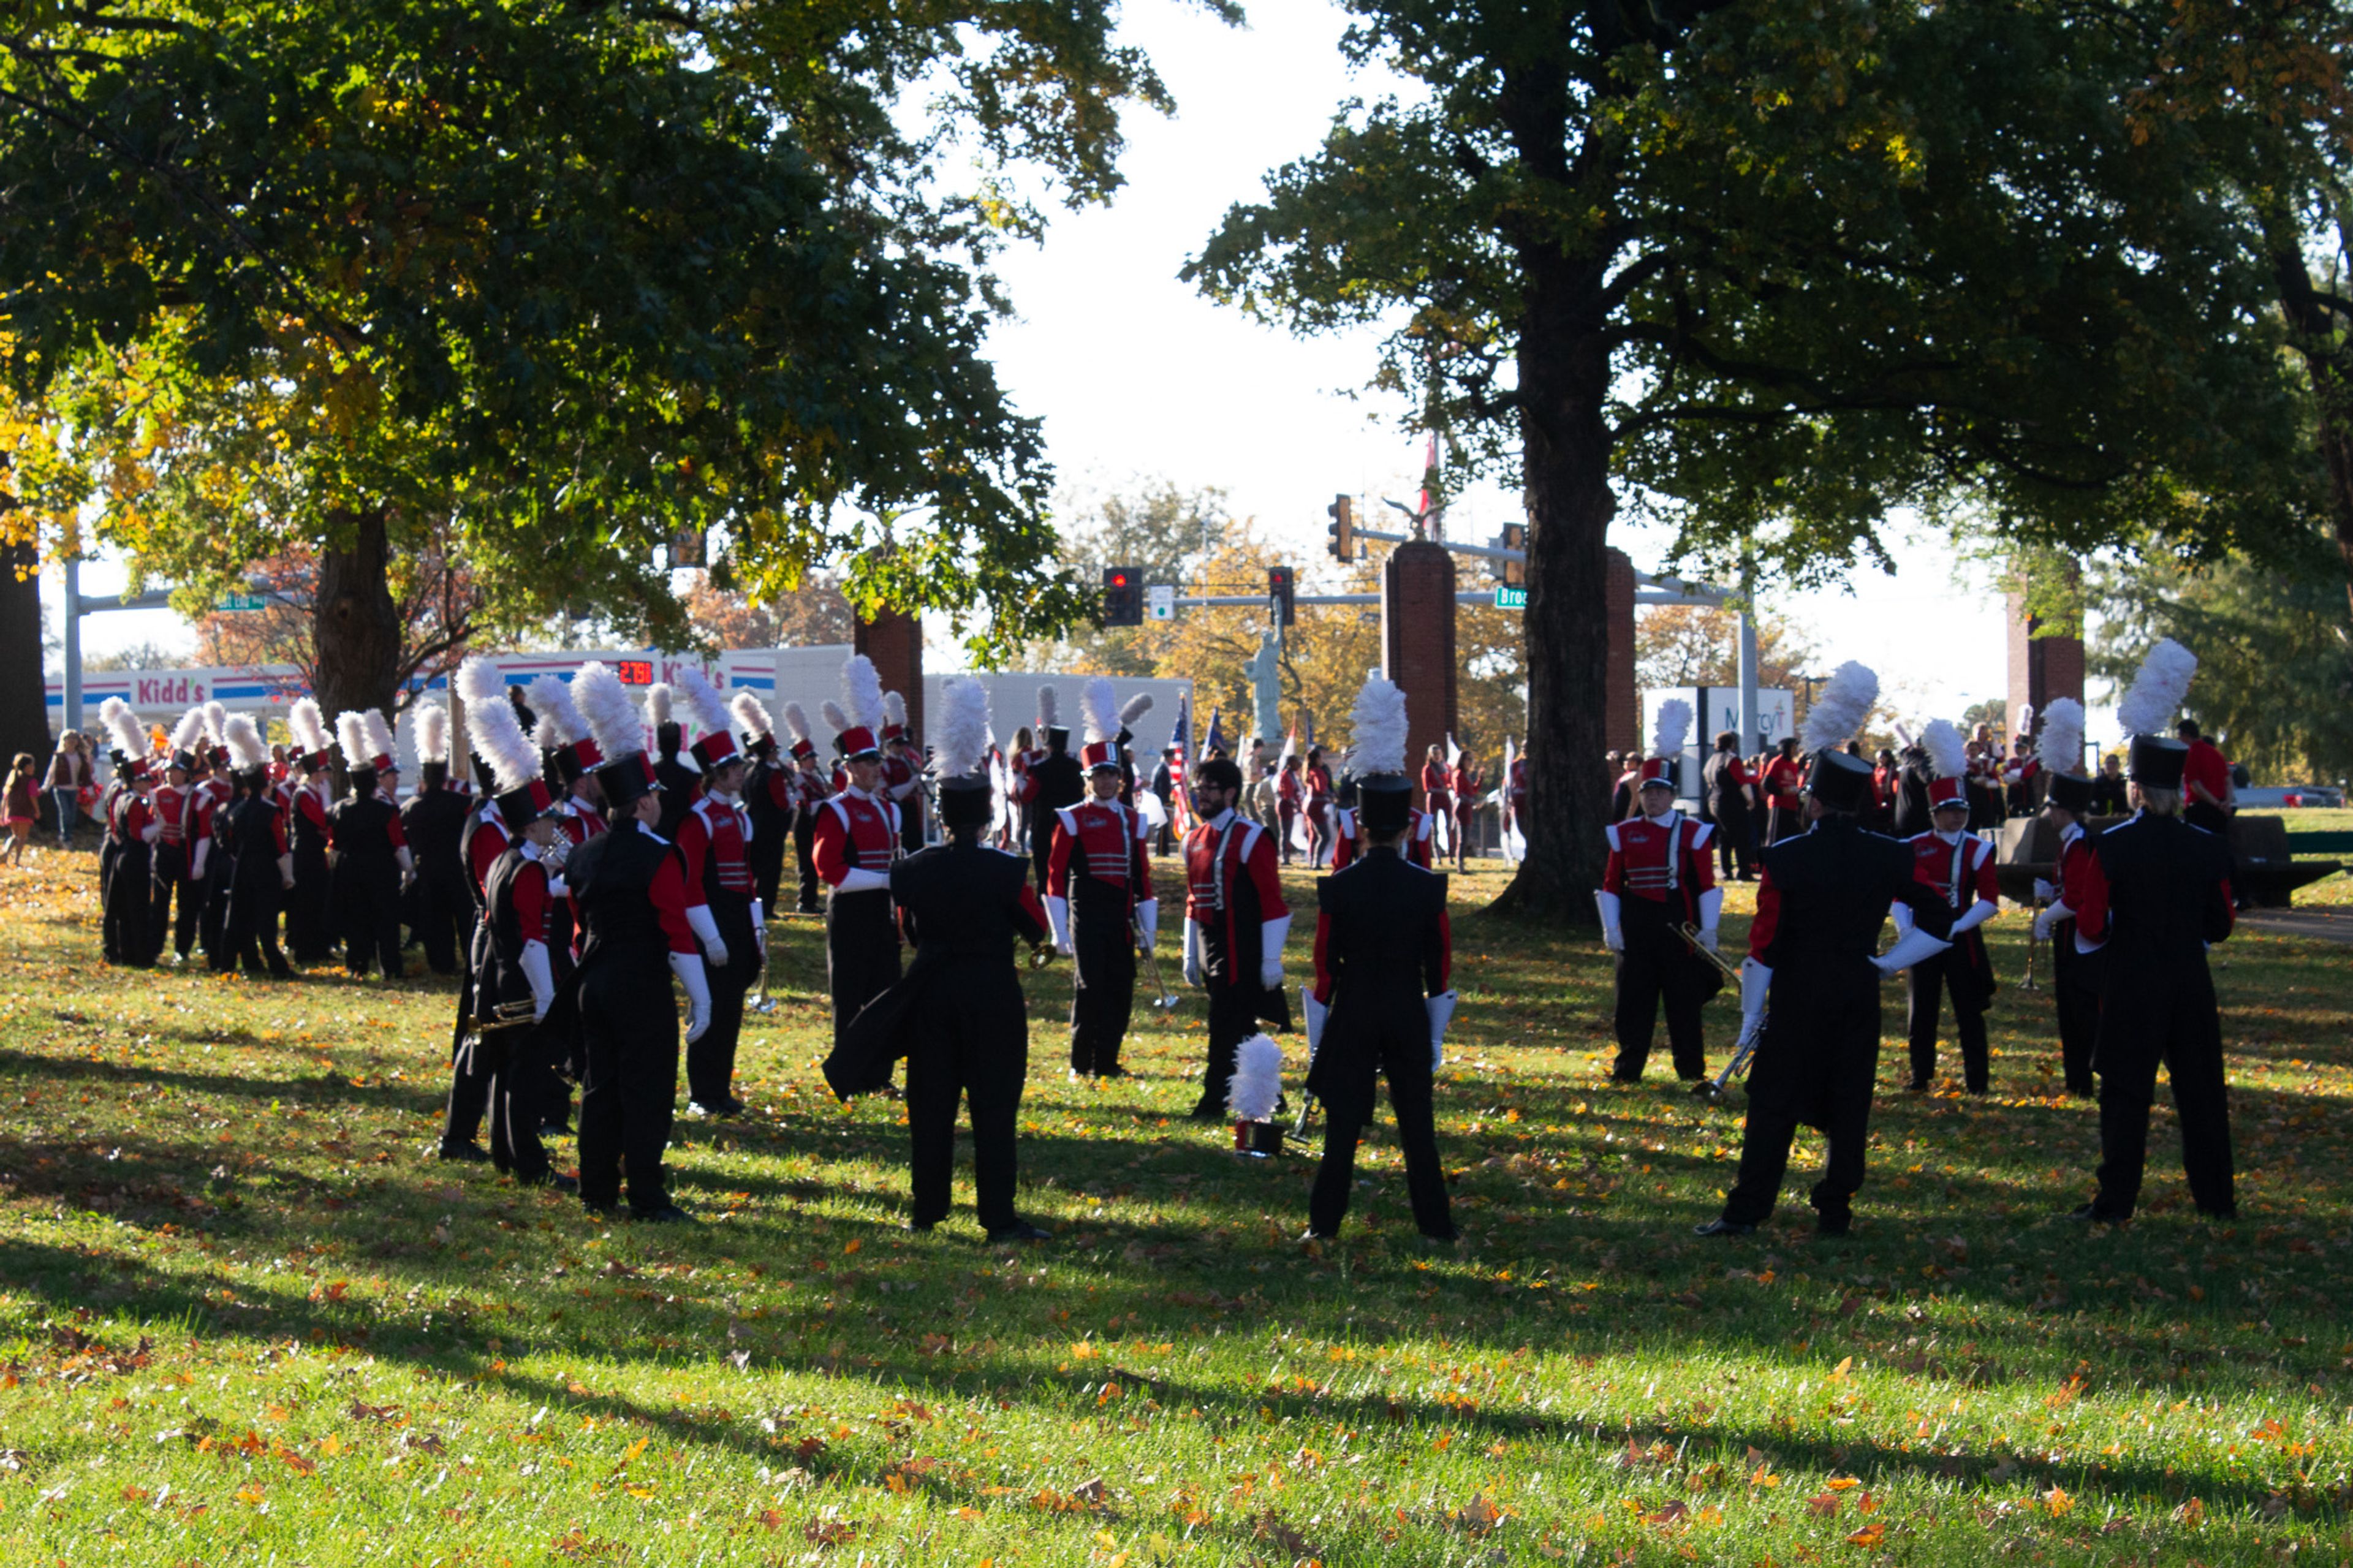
(1724, 966)
(1041, 954)
(505, 1015)
(1711, 1089)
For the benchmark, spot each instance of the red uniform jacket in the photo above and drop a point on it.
(1213, 880)
(854, 832)
(721, 835)
(1659, 861)
(1107, 841)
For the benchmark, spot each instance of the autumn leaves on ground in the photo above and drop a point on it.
(242, 1321)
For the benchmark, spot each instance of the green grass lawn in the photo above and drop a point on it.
(243, 1322)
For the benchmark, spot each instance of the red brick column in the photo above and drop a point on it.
(894, 641)
(2041, 668)
(1622, 705)
(1417, 645)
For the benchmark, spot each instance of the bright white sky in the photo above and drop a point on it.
(1138, 377)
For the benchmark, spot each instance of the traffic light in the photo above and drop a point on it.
(1344, 528)
(1123, 595)
(1512, 574)
(1279, 586)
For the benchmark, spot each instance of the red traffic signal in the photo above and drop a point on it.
(1123, 597)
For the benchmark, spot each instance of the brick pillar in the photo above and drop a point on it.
(1417, 645)
(894, 639)
(1622, 705)
(2041, 668)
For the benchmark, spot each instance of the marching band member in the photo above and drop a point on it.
(1098, 898)
(260, 859)
(723, 900)
(1348, 833)
(1782, 778)
(903, 771)
(369, 856)
(1959, 865)
(2074, 983)
(680, 782)
(629, 893)
(769, 795)
(1383, 990)
(495, 723)
(177, 863)
(2157, 894)
(1053, 779)
(313, 932)
(959, 1016)
(805, 788)
(131, 830)
(1235, 924)
(1731, 798)
(1463, 782)
(434, 822)
(573, 761)
(1660, 876)
(857, 839)
(216, 792)
(1821, 902)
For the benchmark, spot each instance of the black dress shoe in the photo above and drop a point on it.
(921, 1227)
(1917, 1086)
(1312, 1234)
(556, 1130)
(1019, 1230)
(2230, 1213)
(555, 1180)
(2090, 1214)
(1827, 1226)
(1205, 1111)
(1721, 1227)
(1113, 1071)
(669, 1213)
(718, 1111)
(465, 1154)
(1441, 1238)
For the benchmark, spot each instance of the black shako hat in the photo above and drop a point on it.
(1842, 783)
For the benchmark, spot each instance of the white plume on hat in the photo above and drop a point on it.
(704, 705)
(1845, 702)
(2063, 734)
(835, 719)
(1049, 708)
(2157, 690)
(499, 739)
(307, 725)
(1099, 703)
(243, 739)
(657, 705)
(188, 730)
(612, 718)
(351, 734)
(123, 719)
(796, 716)
(894, 709)
(1672, 729)
(481, 685)
(1135, 708)
(217, 723)
(1948, 754)
(753, 719)
(1257, 1082)
(861, 693)
(961, 738)
(379, 734)
(432, 733)
(560, 723)
(1376, 730)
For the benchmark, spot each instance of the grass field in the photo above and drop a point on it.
(243, 1322)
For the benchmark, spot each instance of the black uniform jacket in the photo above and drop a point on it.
(964, 906)
(1382, 945)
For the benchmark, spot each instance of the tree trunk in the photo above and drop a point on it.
(2328, 360)
(23, 697)
(1563, 376)
(353, 622)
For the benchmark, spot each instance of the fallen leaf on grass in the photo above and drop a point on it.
(1868, 1537)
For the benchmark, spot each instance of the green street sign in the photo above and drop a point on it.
(1511, 598)
(241, 602)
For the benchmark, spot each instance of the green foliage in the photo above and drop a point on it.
(576, 277)
(2274, 650)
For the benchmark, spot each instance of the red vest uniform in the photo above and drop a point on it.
(1664, 862)
(1433, 785)
(854, 832)
(1230, 881)
(580, 821)
(1783, 778)
(1108, 840)
(170, 805)
(1962, 873)
(1348, 830)
(487, 842)
(719, 835)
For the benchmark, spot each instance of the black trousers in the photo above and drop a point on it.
(805, 859)
(1425, 1178)
(1783, 822)
(861, 953)
(2175, 1026)
(445, 922)
(311, 931)
(128, 919)
(766, 856)
(511, 1095)
(629, 1037)
(1105, 1000)
(249, 935)
(1814, 1067)
(369, 895)
(1926, 983)
(1734, 857)
(1233, 1018)
(167, 875)
(937, 1080)
(212, 926)
(2077, 999)
(1655, 970)
(710, 1060)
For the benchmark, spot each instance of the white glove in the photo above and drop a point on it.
(688, 967)
(1909, 948)
(408, 861)
(557, 852)
(1194, 972)
(1613, 935)
(197, 866)
(1710, 941)
(858, 879)
(1439, 1010)
(1270, 935)
(1976, 915)
(1315, 1013)
(1057, 921)
(2043, 891)
(2041, 931)
(705, 926)
(1148, 923)
(286, 869)
(1710, 911)
(536, 970)
(1755, 989)
(150, 832)
(1901, 915)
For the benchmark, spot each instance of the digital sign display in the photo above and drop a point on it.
(634, 671)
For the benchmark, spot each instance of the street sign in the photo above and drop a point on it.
(1160, 601)
(1511, 598)
(241, 602)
